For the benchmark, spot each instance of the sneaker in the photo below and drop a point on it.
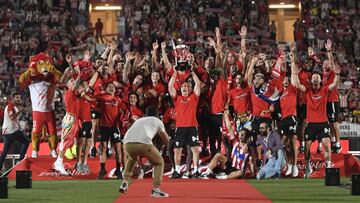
(308, 173)
(289, 170)
(318, 149)
(141, 174)
(295, 171)
(118, 174)
(196, 175)
(158, 193)
(175, 175)
(221, 176)
(59, 167)
(204, 176)
(277, 176)
(79, 168)
(186, 175)
(53, 153)
(85, 168)
(34, 154)
(93, 152)
(123, 187)
(101, 175)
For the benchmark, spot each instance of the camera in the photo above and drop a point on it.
(182, 65)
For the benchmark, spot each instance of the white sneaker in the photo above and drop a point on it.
(295, 171)
(59, 167)
(123, 187)
(158, 193)
(53, 153)
(289, 170)
(34, 154)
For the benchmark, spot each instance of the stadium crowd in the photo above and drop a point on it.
(234, 87)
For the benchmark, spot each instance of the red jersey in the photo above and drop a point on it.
(128, 118)
(72, 103)
(219, 97)
(186, 110)
(84, 114)
(111, 109)
(241, 98)
(327, 80)
(154, 100)
(258, 105)
(304, 77)
(288, 101)
(169, 115)
(316, 104)
(180, 78)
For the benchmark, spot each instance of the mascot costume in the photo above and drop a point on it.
(41, 78)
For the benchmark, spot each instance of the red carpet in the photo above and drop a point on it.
(198, 191)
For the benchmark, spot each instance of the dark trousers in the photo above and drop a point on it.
(215, 133)
(9, 140)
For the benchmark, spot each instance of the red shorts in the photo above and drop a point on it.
(69, 131)
(41, 118)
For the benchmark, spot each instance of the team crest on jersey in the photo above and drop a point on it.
(306, 136)
(177, 143)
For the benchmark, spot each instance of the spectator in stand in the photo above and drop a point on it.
(98, 31)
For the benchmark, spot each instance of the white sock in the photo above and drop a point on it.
(337, 144)
(328, 164)
(320, 144)
(290, 165)
(303, 143)
(208, 171)
(177, 168)
(196, 169)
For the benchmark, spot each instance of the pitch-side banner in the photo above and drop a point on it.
(349, 130)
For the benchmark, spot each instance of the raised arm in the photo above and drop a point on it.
(106, 52)
(172, 90)
(110, 61)
(155, 46)
(243, 33)
(250, 71)
(295, 74)
(127, 67)
(197, 88)
(165, 57)
(334, 84)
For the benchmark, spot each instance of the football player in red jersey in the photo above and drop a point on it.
(186, 122)
(289, 121)
(316, 116)
(111, 110)
(70, 123)
(333, 100)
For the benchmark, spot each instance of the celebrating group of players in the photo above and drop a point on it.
(231, 101)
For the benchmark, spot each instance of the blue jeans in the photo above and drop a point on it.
(9, 140)
(272, 166)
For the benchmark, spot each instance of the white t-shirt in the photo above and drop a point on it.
(144, 130)
(42, 96)
(10, 126)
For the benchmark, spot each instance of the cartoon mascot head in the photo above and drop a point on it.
(40, 68)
